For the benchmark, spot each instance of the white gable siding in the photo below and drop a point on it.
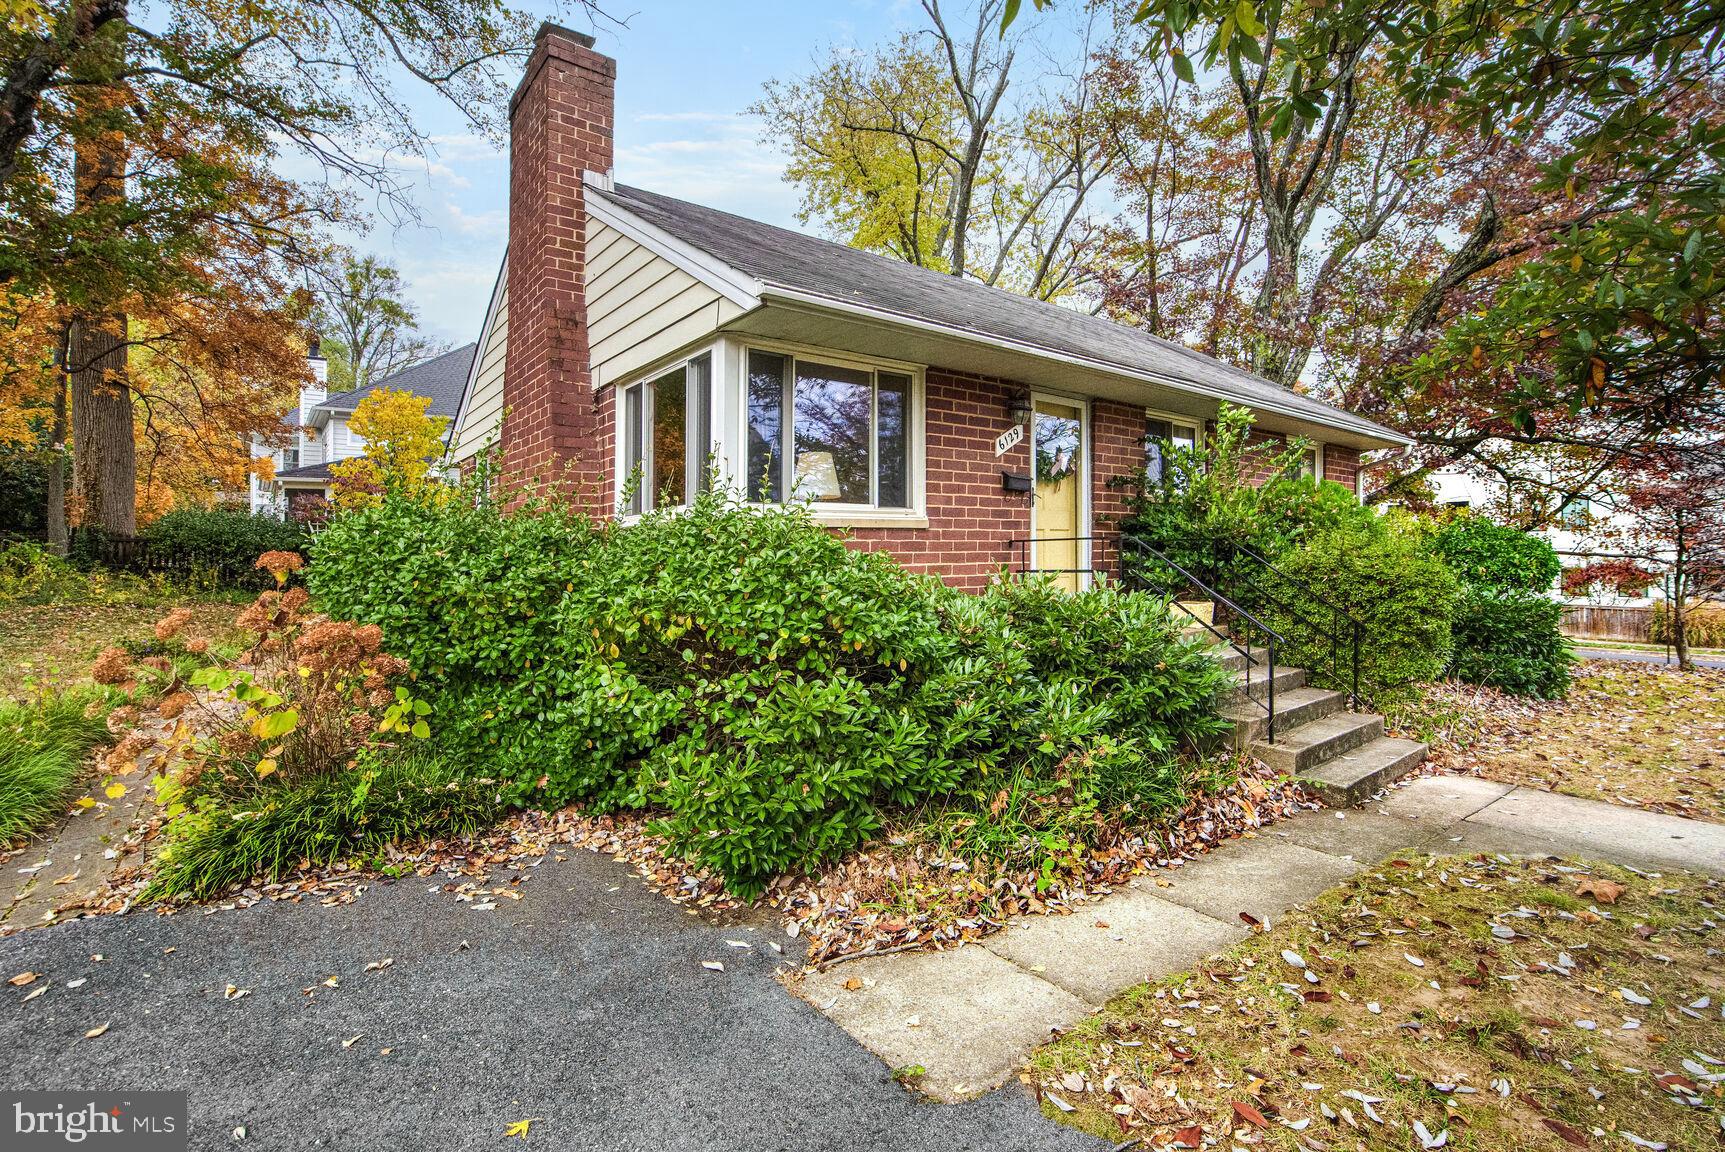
(482, 411)
(344, 442)
(641, 307)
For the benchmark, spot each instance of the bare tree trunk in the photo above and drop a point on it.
(104, 462)
(104, 455)
(1680, 601)
(56, 512)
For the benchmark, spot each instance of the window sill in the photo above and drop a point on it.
(869, 519)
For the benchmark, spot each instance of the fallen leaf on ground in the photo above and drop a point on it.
(520, 1127)
(1603, 890)
(1250, 1115)
(380, 965)
(352, 1040)
(23, 978)
(713, 965)
(95, 1032)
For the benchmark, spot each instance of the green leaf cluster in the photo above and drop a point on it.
(770, 692)
(1508, 639)
(1506, 627)
(1486, 554)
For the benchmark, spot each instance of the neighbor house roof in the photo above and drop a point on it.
(442, 378)
(306, 472)
(777, 258)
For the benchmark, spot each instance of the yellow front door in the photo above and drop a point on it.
(1057, 452)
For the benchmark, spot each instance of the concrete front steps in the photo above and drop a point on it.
(1342, 756)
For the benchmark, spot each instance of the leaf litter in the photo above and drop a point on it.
(1487, 1060)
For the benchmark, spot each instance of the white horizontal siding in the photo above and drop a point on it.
(483, 411)
(641, 307)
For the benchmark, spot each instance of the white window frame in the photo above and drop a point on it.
(838, 514)
(1174, 420)
(715, 355)
(1315, 456)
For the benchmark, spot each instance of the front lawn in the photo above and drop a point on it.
(1643, 735)
(51, 646)
(1472, 1004)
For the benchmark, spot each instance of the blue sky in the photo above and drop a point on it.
(685, 72)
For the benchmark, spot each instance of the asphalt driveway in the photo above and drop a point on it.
(1643, 656)
(583, 1005)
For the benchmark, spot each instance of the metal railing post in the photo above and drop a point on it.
(1270, 727)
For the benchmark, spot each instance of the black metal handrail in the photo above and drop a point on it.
(1020, 551)
(1236, 613)
(1345, 629)
(1019, 548)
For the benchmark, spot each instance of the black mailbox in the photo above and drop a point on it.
(1015, 482)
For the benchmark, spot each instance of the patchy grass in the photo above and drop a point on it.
(1485, 1003)
(1633, 734)
(51, 647)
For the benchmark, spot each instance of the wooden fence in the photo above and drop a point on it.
(1607, 622)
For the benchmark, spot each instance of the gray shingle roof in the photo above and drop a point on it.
(443, 378)
(306, 472)
(793, 260)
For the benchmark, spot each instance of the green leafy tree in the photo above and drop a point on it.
(368, 328)
(141, 147)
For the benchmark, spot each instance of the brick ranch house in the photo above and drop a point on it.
(632, 334)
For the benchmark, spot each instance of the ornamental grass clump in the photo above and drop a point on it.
(44, 748)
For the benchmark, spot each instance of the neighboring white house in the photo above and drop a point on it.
(1586, 527)
(320, 435)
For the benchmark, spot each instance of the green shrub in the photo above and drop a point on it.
(220, 545)
(267, 830)
(43, 746)
(1485, 554)
(30, 574)
(1228, 494)
(1054, 708)
(1704, 624)
(768, 690)
(1509, 639)
(1403, 597)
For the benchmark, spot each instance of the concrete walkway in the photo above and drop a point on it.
(970, 1016)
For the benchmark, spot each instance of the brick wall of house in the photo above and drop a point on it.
(1342, 464)
(972, 520)
(560, 126)
(1116, 451)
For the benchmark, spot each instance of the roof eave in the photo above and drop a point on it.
(1355, 425)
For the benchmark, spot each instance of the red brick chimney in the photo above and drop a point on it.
(560, 124)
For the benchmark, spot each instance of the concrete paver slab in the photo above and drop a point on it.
(1262, 876)
(1595, 828)
(1128, 938)
(1442, 800)
(1363, 834)
(966, 1016)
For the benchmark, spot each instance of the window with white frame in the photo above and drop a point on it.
(1162, 433)
(668, 436)
(836, 435)
(1312, 463)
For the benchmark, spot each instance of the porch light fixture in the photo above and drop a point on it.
(1018, 408)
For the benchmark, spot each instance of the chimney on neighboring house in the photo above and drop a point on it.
(560, 125)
